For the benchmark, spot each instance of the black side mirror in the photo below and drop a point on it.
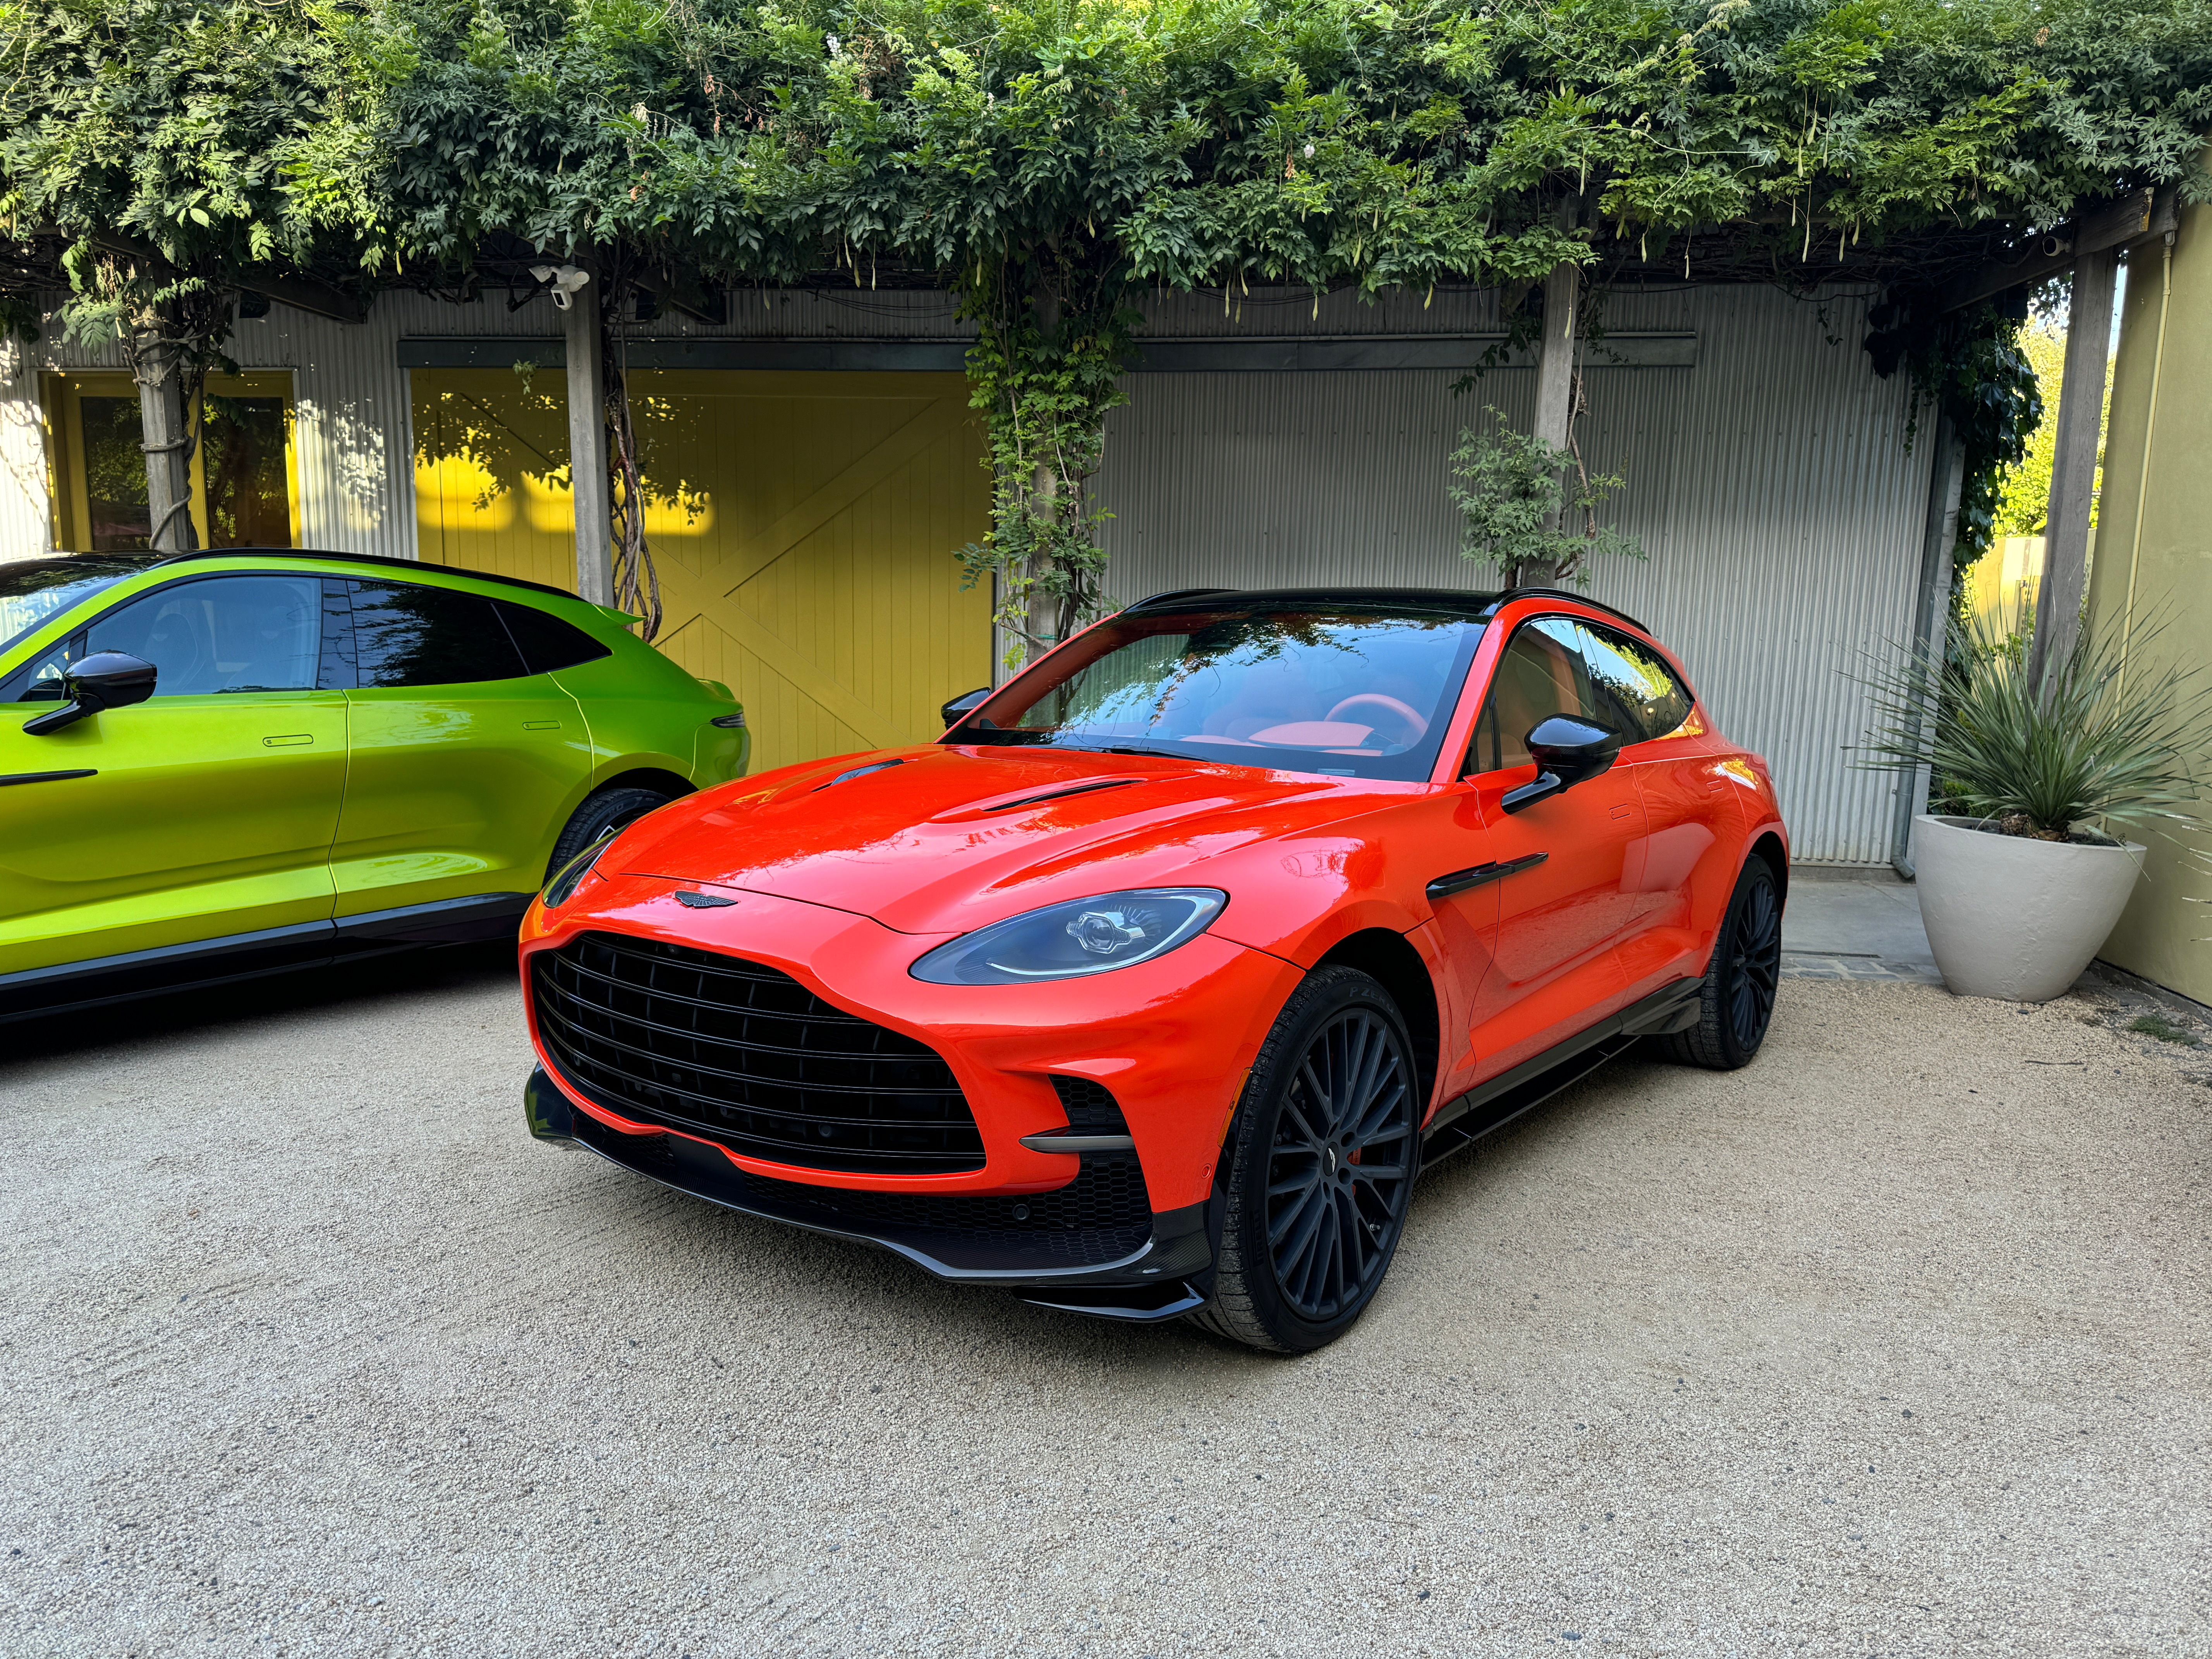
(957, 710)
(1568, 751)
(106, 679)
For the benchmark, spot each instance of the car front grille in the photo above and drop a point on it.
(747, 1056)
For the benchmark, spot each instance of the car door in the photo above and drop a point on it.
(1690, 848)
(462, 762)
(1567, 891)
(204, 812)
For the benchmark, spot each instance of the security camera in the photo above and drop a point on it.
(563, 280)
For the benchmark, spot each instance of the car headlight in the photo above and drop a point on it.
(1068, 941)
(570, 876)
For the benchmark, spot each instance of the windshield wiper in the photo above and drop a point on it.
(1123, 749)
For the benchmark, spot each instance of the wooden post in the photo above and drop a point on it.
(2074, 464)
(165, 432)
(587, 448)
(1931, 614)
(1555, 377)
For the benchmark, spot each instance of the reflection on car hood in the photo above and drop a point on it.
(942, 839)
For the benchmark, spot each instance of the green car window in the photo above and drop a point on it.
(547, 642)
(217, 633)
(405, 634)
(32, 590)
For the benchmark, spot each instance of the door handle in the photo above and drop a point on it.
(1481, 875)
(1623, 811)
(8, 778)
(290, 740)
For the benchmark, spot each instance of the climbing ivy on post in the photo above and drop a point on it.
(1043, 373)
(172, 327)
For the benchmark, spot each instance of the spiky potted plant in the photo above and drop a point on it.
(2023, 877)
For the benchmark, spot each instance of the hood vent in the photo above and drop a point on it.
(858, 772)
(1062, 795)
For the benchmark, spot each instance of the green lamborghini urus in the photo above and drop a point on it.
(219, 764)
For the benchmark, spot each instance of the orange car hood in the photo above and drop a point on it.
(947, 839)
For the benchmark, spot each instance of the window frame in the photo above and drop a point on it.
(61, 398)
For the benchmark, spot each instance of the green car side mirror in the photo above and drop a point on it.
(106, 679)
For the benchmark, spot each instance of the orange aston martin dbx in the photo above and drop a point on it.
(1149, 989)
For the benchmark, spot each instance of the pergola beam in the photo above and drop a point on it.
(301, 293)
(2138, 214)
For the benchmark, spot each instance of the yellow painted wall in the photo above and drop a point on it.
(2001, 585)
(491, 472)
(802, 525)
(2162, 557)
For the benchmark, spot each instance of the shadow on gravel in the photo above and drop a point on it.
(362, 985)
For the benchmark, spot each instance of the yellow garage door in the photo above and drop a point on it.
(802, 523)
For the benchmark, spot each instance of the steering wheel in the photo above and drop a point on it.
(1415, 725)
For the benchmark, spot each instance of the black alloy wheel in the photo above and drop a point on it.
(603, 813)
(1321, 1168)
(1735, 1004)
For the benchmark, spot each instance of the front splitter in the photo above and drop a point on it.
(1158, 1271)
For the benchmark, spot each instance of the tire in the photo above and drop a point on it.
(1736, 1003)
(608, 812)
(1313, 1217)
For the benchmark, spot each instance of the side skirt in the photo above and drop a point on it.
(1491, 1106)
(102, 980)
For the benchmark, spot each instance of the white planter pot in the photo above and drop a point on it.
(2011, 917)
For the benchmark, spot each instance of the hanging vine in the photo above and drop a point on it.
(1968, 364)
(637, 584)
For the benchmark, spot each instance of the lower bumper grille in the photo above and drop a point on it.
(740, 1053)
(1103, 1215)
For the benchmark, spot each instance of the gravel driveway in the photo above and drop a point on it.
(1894, 1343)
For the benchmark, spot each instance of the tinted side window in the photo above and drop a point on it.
(337, 672)
(547, 642)
(1639, 694)
(1541, 674)
(218, 634)
(41, 680)
(405, 634)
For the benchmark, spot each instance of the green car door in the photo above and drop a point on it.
(338, 755)
(208, 810)
(464, 761)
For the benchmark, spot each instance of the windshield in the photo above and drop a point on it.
(32, 590)
(1345, 688)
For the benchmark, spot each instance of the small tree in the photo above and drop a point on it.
(175, 148)
(1510, 494)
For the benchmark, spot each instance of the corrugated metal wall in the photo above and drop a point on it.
(351, 396)
(1770, 480)
(1771, 483)
(25, 506)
